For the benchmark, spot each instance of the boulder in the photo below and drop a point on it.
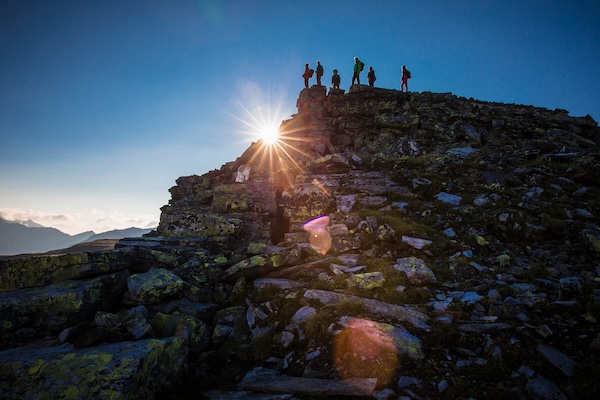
(154, 286)
(20, 273)
(126, 370)
(55, 307)
(417, 272)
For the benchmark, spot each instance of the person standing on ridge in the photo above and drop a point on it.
(371, 76)
(405, 78)
(358, 66)
(307, 74)
(335, 79)
(319, 72)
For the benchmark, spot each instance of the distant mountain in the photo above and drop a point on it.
(24, 237)
(118, 234)
(29, 223)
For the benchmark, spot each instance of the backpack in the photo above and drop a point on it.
(311, 72)
(362, 65)
(408, 74)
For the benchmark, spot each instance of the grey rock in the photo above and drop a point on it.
(264, 380)
(154, 286)
(127, 368)
(417, 272)
(375, 307)
(557, 358)
(449, 198)
(543, 389)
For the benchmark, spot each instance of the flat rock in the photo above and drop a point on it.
(557, 358)
(376, 307)
(266, 380)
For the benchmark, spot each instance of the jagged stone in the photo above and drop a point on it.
(264, 380)
(125, 370)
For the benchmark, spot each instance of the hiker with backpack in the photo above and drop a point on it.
(319, 73)
(358, 67)
(308, 73)
(371, 76)
(335, 79)
(405, 78)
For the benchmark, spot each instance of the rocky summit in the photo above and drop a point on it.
(390, 245)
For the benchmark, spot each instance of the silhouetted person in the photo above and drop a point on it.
(335, 79)
(358, 66)
(405, 78)
(306, 75)
(319, 72)
(371, 76)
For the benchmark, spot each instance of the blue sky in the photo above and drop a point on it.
(104, 104)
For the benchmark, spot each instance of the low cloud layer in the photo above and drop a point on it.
(95, 220)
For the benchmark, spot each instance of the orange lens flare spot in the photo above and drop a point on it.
(363, 350)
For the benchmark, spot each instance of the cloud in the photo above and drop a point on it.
(95, 220)
(19, 214)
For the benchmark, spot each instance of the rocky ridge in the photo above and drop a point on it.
(460, 259)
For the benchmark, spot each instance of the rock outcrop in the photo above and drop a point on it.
(452, 252)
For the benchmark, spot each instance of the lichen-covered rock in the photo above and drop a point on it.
(126, 370)
(188, 327)
(369, 280)
(26, 272)
(417, 272)
(55, 307)
(154, 286)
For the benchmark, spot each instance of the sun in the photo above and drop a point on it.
(269, 135)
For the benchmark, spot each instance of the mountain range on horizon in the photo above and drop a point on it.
(23, 237)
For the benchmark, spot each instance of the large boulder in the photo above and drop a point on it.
(55, 307)
(154, 286)
(126, 370)
(24, 272)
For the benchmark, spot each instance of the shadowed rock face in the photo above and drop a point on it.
(457, 256)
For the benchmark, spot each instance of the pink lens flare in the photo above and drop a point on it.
(319, 240)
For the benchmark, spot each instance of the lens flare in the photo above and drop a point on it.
(364, 350)
(319, 240)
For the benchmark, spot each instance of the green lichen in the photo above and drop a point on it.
(258, 261)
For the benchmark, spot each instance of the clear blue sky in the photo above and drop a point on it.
(103, 104)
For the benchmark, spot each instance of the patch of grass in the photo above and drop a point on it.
(316, 327)
(350, 308)
(399, 223)
(417, 295)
